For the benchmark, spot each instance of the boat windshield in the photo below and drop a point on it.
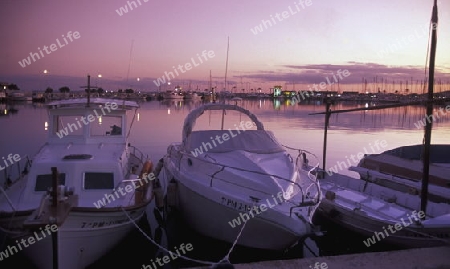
(106, 125)
(73, 125)
(255, 141)
(68, 125)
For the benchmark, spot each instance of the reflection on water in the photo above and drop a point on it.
(24, 128)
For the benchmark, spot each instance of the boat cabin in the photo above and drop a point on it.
(87, 144)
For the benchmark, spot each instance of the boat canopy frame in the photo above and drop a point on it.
(191, 118)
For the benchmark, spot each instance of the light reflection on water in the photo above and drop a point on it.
(23, 127)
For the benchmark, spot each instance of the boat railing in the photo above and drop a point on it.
(137, 153)
(302, 157)
(15, 171)
(305, 201)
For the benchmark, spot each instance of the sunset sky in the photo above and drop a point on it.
(386, 39)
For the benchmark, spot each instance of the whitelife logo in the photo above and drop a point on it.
(342, 74)
(24, 243)
(11, 158)
(417, 217)
(130, 4)
(35, 56)
(71, 127)
(243, 127)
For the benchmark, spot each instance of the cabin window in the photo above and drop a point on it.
(44, 182)
(107, 125)
(68, 125)
(98, 181)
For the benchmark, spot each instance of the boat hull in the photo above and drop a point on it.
(82, 239)
(208, 222)
(211, 212)
(358, 222)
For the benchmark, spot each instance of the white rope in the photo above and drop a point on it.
(227, 257)
(7, 199)
(181, 256)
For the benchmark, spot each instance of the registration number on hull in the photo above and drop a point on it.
(235, 204)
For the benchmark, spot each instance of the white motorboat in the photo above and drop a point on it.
(220, 190)
(369, 209)
(96, 188)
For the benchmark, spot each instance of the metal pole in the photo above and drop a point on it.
(55, 186)
(327, 120)
(89, 91)
(55, 249)
(429, 123)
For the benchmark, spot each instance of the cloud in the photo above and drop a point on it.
(316, 73)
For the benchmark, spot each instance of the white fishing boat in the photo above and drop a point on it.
(368, 208)
(220, 189)
(85, 180)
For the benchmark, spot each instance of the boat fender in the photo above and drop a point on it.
(172, 193)
(141, 191)
(146, 169)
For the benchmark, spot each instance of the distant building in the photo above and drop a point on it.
(288, 94)
(3, 85)
(277, 91)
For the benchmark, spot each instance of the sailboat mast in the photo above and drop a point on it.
(226, 65)
(429, 124)
(88, 91)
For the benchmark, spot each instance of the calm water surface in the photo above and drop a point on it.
(158, 123)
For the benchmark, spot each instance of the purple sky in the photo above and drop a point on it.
(386, 39)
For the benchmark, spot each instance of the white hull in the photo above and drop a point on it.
(212, 219)
(79, 244)
(367, 208)
(360, 223)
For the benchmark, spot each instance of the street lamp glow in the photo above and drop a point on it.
(99, 75)
(45, 71)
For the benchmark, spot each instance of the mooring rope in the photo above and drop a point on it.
(212, 264)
